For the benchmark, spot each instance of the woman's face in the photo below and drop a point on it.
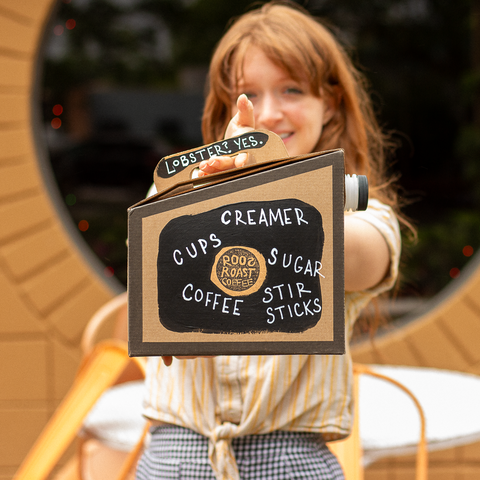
(281, 104)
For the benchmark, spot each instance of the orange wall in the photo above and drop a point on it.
(47, 289)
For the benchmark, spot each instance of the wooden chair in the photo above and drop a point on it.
(105, 362)
(349, 450)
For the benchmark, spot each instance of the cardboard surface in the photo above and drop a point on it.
(249, 265)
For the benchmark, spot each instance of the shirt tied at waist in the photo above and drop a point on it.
(220, 452)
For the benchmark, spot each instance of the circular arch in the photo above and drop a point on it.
(51, 284)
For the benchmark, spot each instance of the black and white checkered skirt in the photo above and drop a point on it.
(179, 453)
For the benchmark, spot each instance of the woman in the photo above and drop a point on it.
(247, 417)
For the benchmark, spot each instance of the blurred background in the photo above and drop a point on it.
(123, 86)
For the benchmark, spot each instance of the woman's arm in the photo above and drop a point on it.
(367, 256)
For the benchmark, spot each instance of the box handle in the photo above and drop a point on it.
(261, 146)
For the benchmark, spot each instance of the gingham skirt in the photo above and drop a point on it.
(182, 454)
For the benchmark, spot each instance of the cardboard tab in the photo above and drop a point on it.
(260, 145)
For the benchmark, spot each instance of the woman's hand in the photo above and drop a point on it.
(242, 122)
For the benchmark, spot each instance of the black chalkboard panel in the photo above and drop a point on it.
(242, 268)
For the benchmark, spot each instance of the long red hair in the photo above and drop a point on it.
(294, 40)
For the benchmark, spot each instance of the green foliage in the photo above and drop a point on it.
(196, 27)
(104, 47)
(439, 250)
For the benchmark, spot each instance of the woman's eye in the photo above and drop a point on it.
(293, 90)
(249, 95)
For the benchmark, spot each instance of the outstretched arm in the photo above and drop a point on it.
(367, 256)
(242, 122)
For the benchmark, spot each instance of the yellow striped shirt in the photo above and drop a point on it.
(230, 396)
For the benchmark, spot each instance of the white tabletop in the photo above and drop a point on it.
(116, 419)
(390, 423)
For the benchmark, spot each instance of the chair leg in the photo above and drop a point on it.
(421, 468)
(349, 451)
(134, 455)
(104, 365)
(69, 471)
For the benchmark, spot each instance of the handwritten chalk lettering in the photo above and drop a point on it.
(297, 263)
(266, 217)
(236, 272)
(192, 249)
(245, 142)
(284, 291)
(294, 310)
(211, 300)
(238, 284)
(169, 166)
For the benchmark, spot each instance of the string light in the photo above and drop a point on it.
(83, 225)
(70, 199)
(56, 123)
(109, 272)
(57, 109)
(454, 272)
(467, 250)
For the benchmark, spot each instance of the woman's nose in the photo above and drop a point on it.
(268, 113)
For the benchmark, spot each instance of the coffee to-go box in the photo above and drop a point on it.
(249, 261)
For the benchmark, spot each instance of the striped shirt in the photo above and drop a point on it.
(230, 396)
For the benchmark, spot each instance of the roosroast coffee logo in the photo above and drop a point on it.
(244, 267)
(239, 270)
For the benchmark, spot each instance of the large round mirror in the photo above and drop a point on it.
(123, 86)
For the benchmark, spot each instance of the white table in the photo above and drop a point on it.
(389, 421)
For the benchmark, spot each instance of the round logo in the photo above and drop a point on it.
(239, 270)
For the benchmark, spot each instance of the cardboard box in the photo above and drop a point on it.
(250, 263)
